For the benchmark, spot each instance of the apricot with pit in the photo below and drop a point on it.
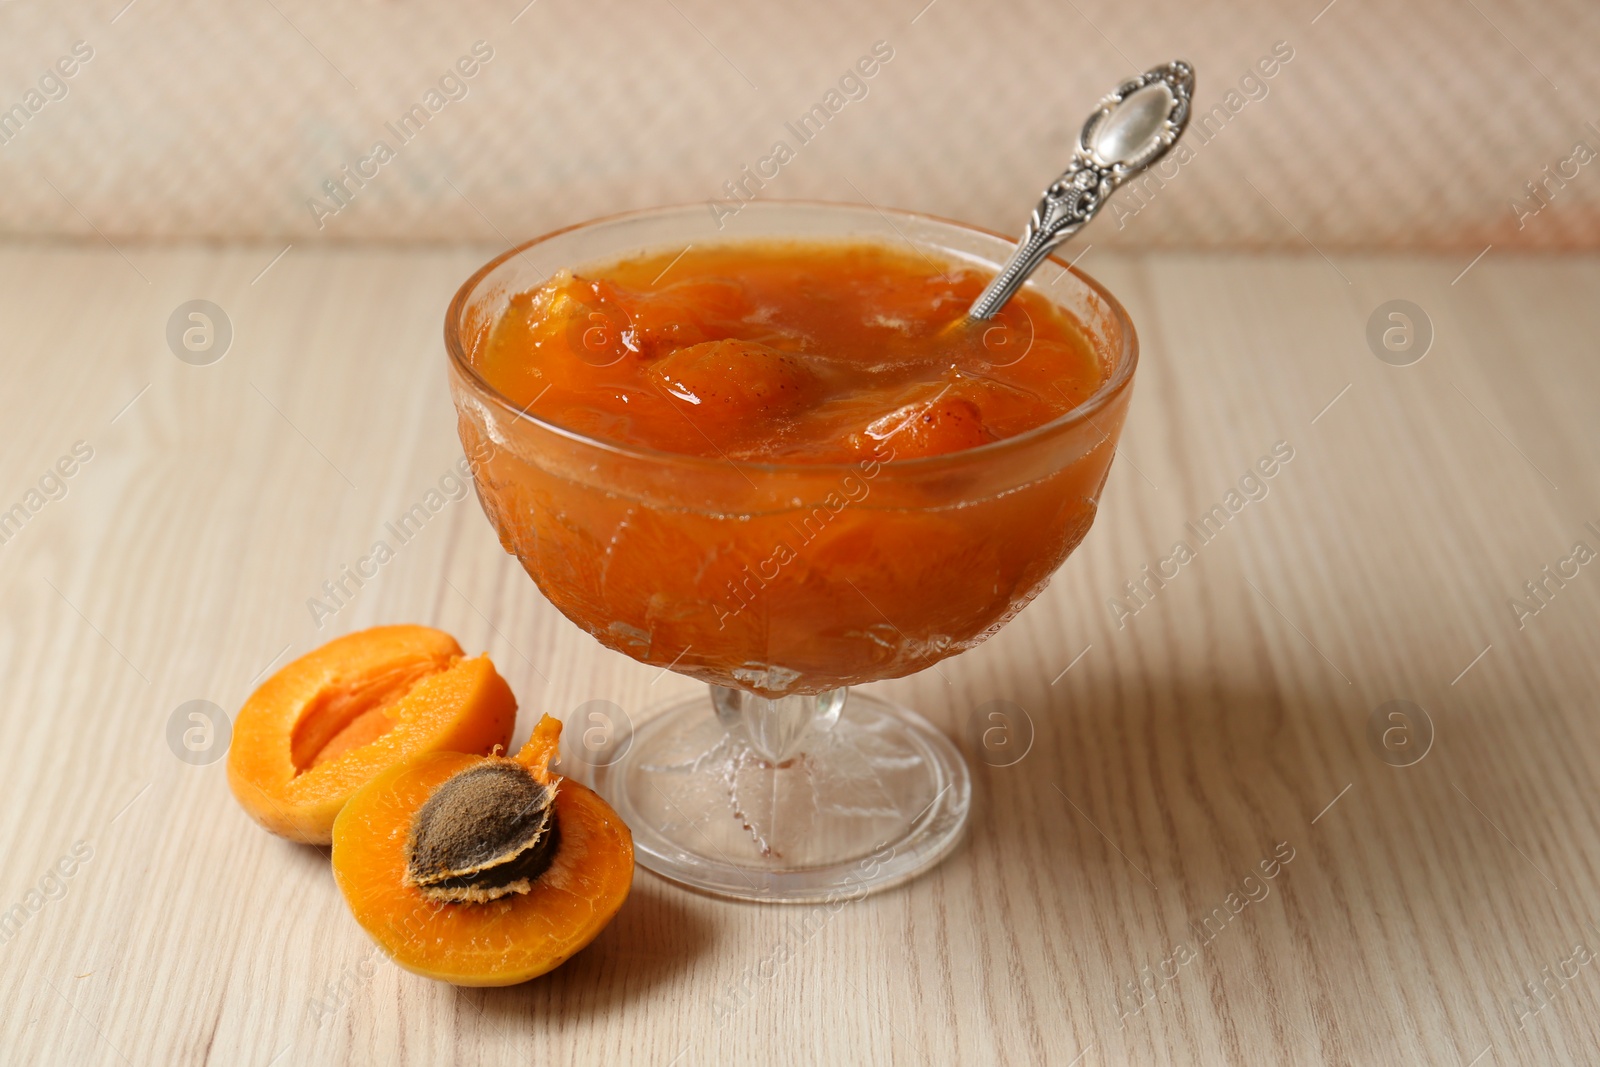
(482, 870)
(329, 722)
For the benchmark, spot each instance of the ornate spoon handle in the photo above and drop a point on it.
(1132, 128)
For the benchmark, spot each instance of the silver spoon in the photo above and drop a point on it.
(1131, 129)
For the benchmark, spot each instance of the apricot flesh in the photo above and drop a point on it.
(327, 723)
(498, 942)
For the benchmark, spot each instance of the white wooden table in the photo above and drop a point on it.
(1225, 724)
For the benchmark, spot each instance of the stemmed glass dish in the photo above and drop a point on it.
(782, 584)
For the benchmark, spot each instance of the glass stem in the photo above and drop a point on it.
(777, 729)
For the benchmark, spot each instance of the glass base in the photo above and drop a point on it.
(858, 804)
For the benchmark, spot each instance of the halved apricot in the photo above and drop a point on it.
(324, 725)
(431, 899)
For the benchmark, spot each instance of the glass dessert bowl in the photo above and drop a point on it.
(782, 580)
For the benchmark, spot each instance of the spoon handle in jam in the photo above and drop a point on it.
(1130, 129)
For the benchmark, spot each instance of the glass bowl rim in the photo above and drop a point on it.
(1128, 356)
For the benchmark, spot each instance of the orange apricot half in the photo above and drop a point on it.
(464, 925)
(327, 723)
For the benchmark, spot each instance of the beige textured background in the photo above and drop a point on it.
(1394, 125)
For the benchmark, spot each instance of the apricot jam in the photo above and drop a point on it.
(789, 352)
(789, 465)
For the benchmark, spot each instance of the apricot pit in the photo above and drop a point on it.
(482, 834)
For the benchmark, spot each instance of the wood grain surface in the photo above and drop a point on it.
(1112, 902)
